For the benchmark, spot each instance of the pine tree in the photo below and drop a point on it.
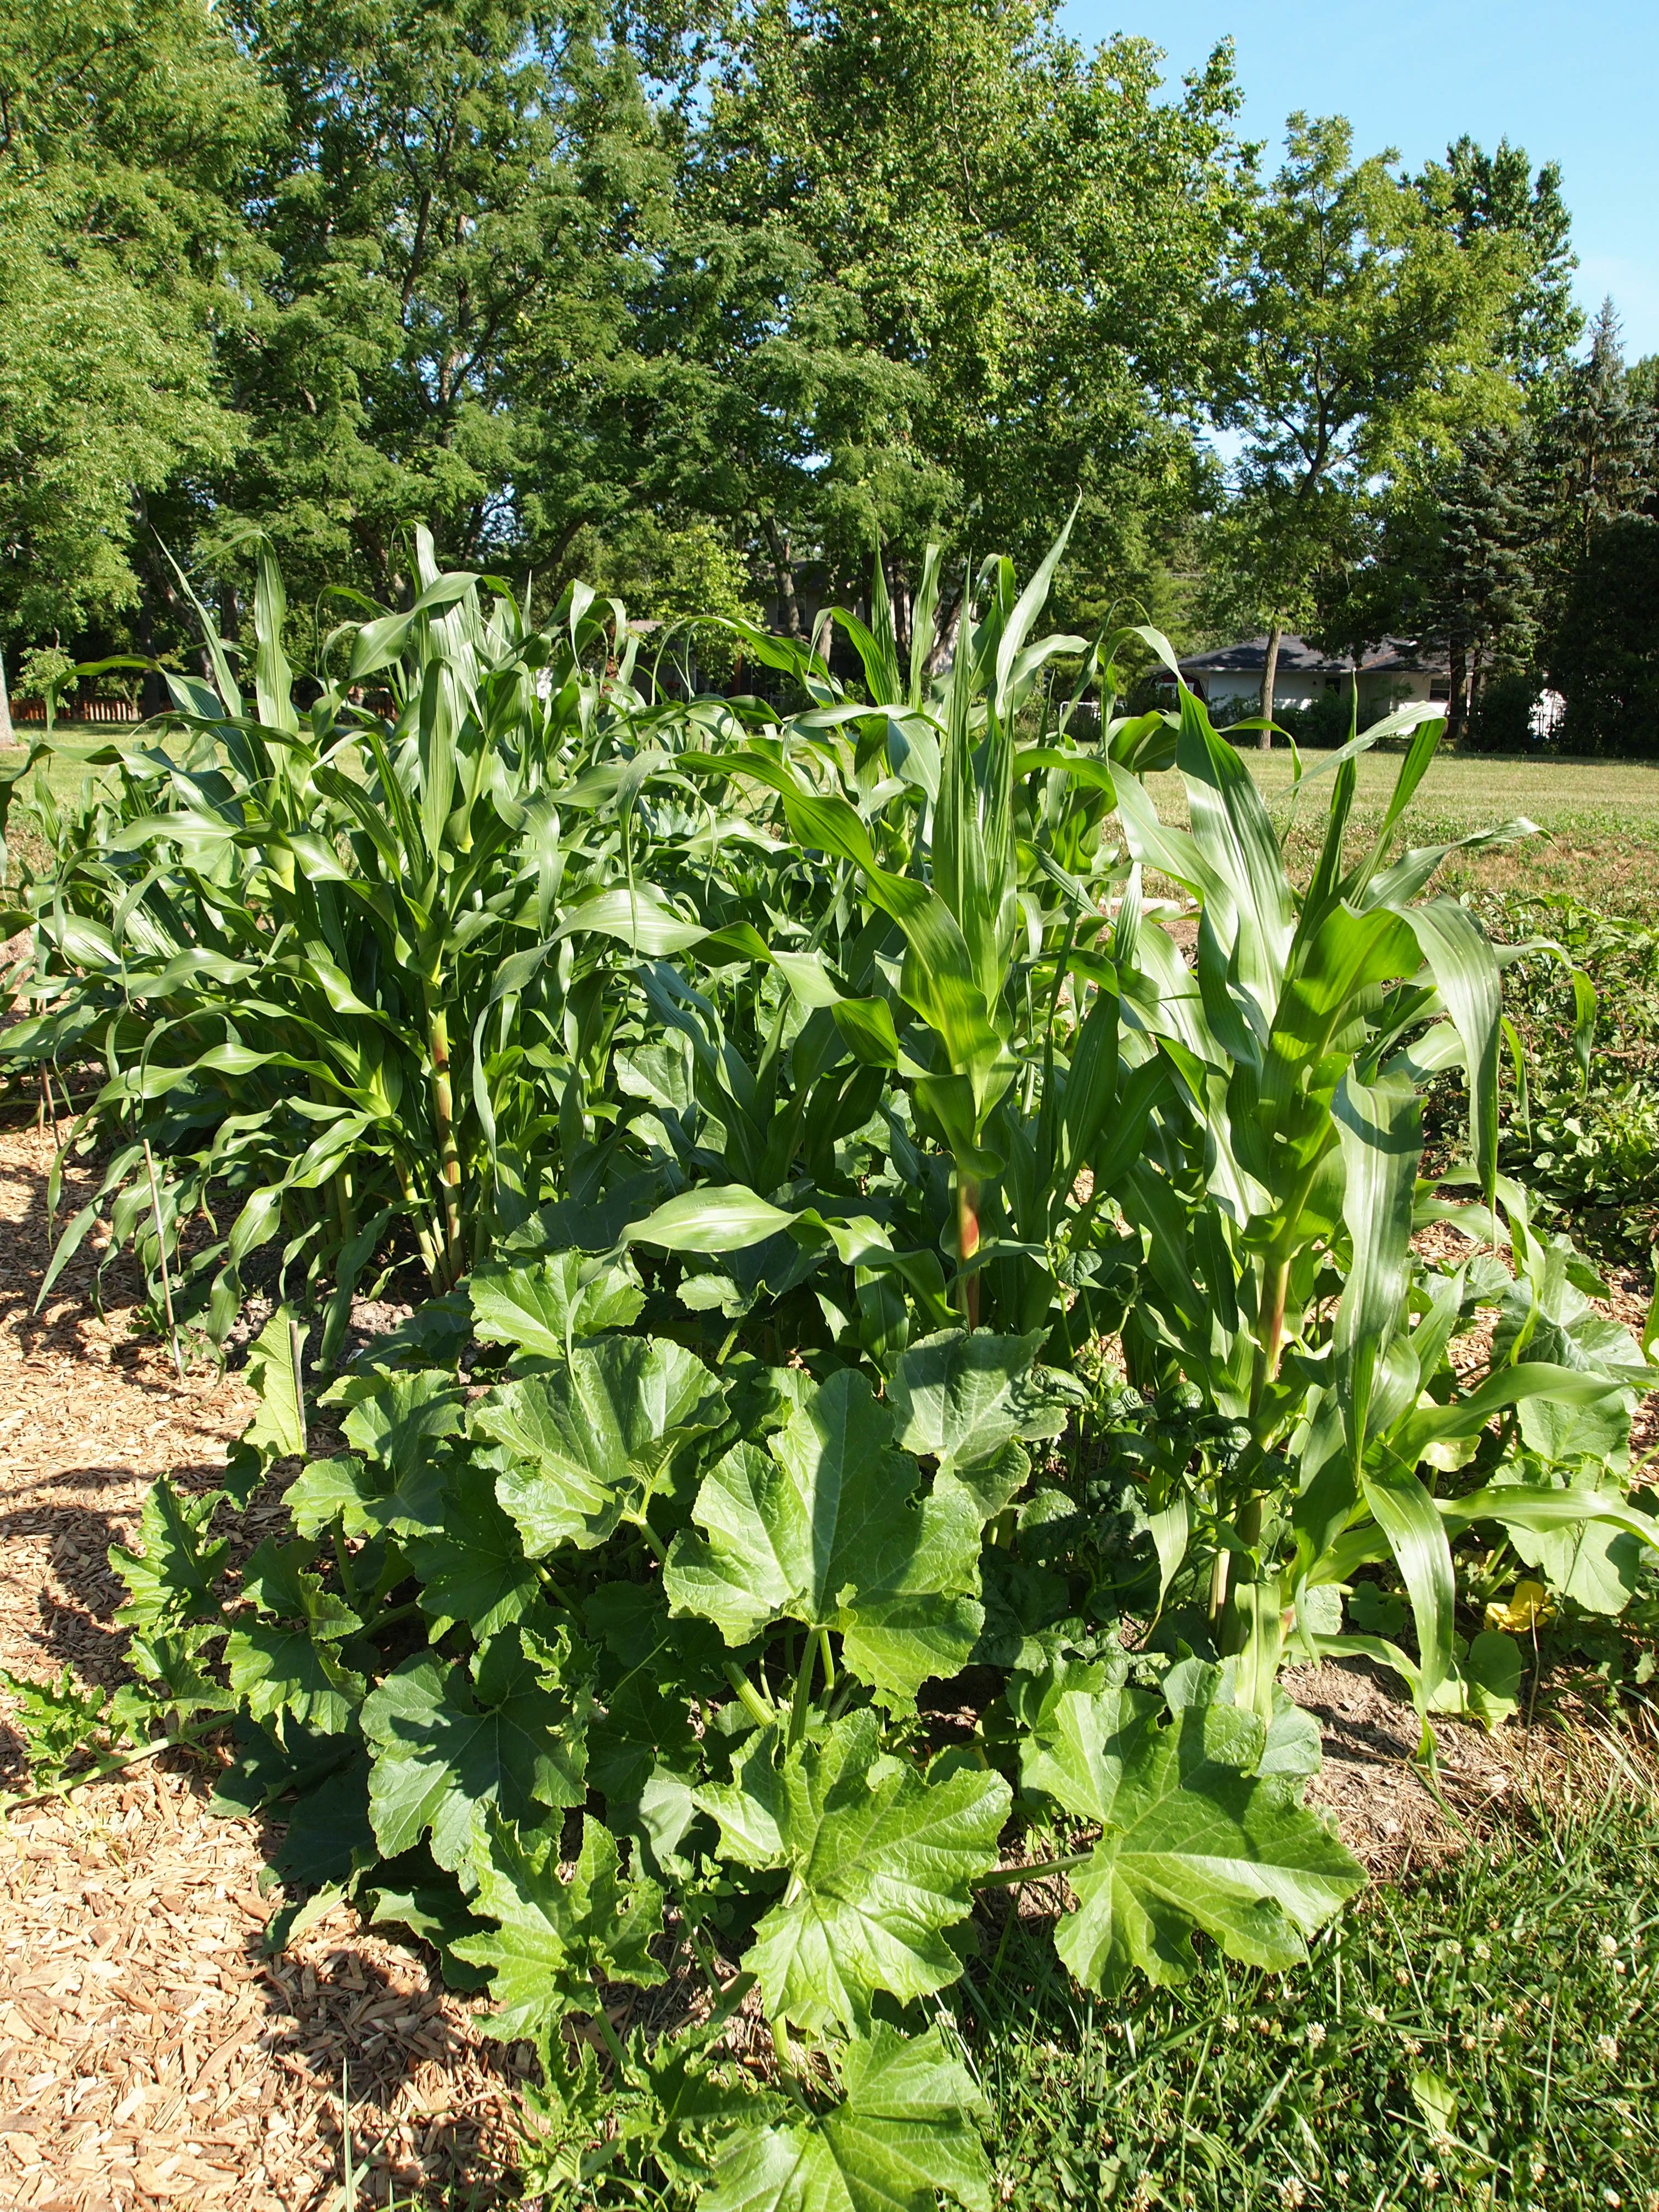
(1600, 446)
(1487, 598)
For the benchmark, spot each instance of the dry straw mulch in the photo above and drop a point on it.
(149, 2052)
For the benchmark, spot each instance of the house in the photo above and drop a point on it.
(1392, 672)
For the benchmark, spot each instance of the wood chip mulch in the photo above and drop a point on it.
(149, 2052)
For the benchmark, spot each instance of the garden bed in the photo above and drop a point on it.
(149, 2052)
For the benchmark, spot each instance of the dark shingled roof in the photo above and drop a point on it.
(1393, 656)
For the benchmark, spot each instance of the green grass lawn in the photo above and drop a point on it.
(1600, 819)
(1488, 2037)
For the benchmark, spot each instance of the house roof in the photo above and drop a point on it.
(1391, 656)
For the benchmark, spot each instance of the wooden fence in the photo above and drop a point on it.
(77, 710)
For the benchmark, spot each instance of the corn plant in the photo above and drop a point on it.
(317, 949)
(1276, 1228)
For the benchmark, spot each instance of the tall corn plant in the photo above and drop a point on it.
(953, 872)
(315, 941)
(1275, 1221)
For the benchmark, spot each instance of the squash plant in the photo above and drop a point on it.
(612, 1671)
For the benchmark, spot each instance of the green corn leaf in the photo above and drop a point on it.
(1506, 1385)
(449, 1743)
(1230, 828)
(1380, 1128)
(273, 677)
(882, 1862)
(1408, 1517)
(1196, 1834)
(1466, 975)
(902, 2138)
(637, 916)
(825, 1527)
(586, 1442)
(555, 1939)
(1541, 1509)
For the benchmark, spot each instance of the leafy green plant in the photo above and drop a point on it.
(316, 948)
(732, 1572)
(1582, 1128)
(612, 1666)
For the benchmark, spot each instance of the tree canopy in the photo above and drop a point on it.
(722, 302)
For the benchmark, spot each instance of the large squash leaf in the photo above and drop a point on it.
(1194, 1834)
(449, 1743)
(556, 1938)
(586, 1442)
(903, 2138)
(543, 1309)
(825, 1527)
(882, 1860)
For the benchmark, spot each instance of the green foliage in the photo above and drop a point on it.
(1581, 1132)
(343, 1001)
(810, 1824)
(128, 124)
(1362, 334)
(731, 1526)
(1405, 2061)
(1605, 657)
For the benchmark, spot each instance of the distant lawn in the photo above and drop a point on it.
(1600, 819)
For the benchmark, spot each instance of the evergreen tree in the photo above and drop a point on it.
(1604, 656)
(1485, 597)
(1600, 446)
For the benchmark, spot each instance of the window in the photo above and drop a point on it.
(1440, 687)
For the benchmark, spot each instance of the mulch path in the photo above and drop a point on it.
(149, 2052)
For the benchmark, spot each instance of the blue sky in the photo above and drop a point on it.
(1574, 84)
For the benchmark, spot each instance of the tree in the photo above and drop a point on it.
(1601, 443)
(1484, 595)
(1604, 656)
(946, 270)
(453, 209)
(126, 129)
(1477, 196)
(1358, 331)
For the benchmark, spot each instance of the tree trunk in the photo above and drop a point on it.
(1455, 693)
(783, 568)
(1269, 678)
(8, 736)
